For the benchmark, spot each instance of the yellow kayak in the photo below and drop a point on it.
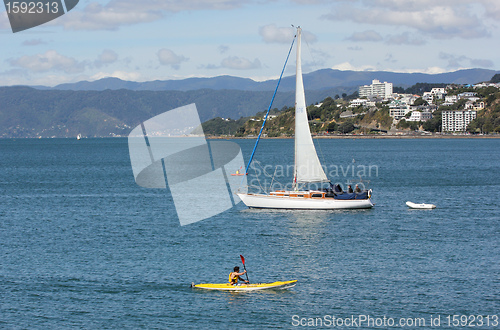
(246, 287)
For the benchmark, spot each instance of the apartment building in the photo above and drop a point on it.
(376, 89)
(457, 121)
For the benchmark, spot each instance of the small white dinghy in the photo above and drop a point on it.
(420, 206)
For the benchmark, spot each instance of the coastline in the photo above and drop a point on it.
(496, 136)
(211, 137)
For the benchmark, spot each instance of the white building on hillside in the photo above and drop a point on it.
(451, 99)
(419, 116)
(457, 121)
(466, 95)
(399, 112)
(427, 96)
(405, 98)
(486, 84)
(357, 102)
(376, 89)
(398, 109)
(438, 93)
(470, 105)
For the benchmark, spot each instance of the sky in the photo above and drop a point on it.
(174, 39)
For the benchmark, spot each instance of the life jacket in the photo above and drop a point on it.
(233, 280)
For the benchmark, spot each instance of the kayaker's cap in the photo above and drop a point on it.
(236, 269)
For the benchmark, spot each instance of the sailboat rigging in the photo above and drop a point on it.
(307, 167)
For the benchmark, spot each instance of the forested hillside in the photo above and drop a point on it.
(336, 116)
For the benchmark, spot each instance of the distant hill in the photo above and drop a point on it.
(111, 106)
(216, 83)
(317, 80)
(29, 112)
(328, 78)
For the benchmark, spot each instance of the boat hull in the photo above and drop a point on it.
(420, 206)
(298, 203)
(246, 287)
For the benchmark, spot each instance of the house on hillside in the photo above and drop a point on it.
(438, 93)
(466, 95)
(357, 102)
(472, 105)
(398, 109)
(427, 96)
(419, 116)
(451, 99)
(486, 84)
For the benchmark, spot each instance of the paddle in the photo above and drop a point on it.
(243, 261)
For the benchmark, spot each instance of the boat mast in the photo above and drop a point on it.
(299, 84)
(299, 90)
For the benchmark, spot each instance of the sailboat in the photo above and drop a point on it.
(307, 168)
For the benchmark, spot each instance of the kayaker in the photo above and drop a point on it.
(235, 276)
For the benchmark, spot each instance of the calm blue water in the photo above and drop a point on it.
(82, 246)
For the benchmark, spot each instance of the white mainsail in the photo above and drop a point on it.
(307, 166)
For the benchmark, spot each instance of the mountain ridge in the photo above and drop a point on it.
(316, 80)
(30, 112)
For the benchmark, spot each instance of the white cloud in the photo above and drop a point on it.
(418, 5)
(23, 77)
(309, 2)
(457, 61)
(442, 19)
(240, 63)
(493, 9)
(105, 58)
(355, 48)
(404, 39)
(223, 49)
(481, 63)
(109, 17)
(273, 34)
(13, 77)
(49, 61)
(123, 75)
(4, 21)
(178, 5)
(390, 58)
(117, 13)
(33, 42)
(369, 35)
(453, 60)
(346, 66)
(168, 57)
(428, 70)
